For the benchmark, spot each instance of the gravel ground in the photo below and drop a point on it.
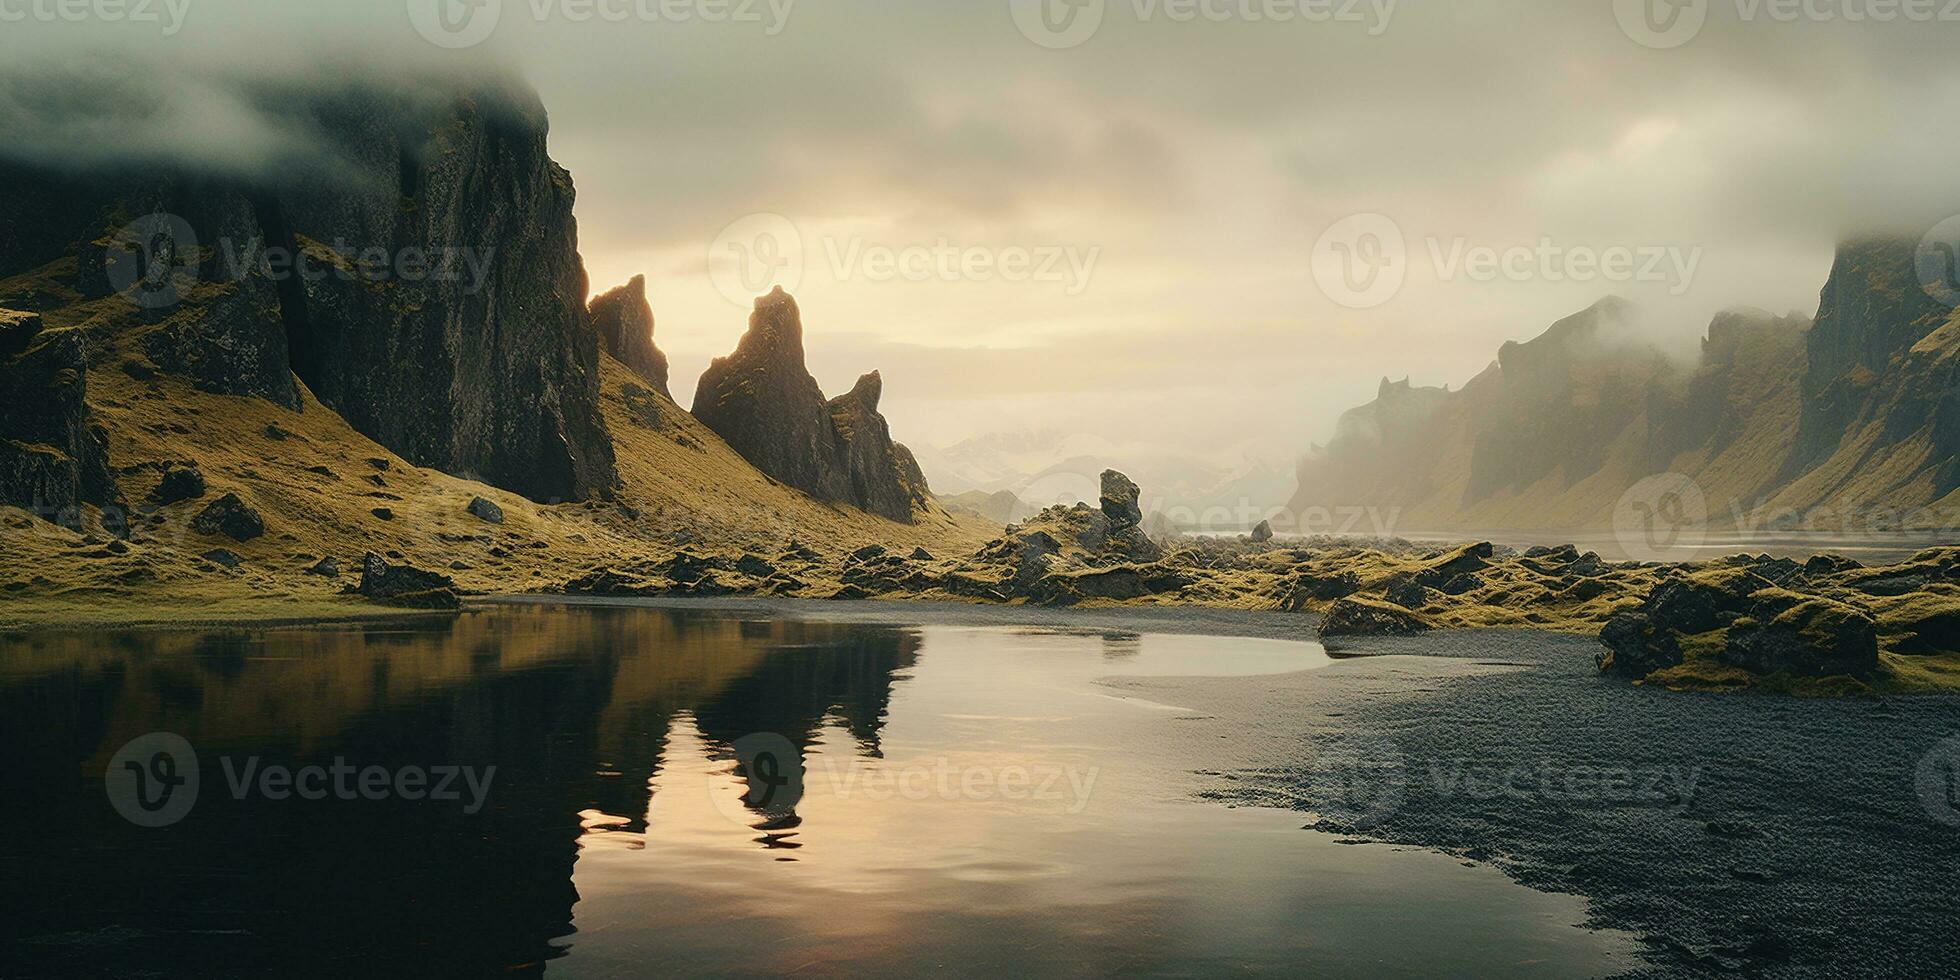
(1735, 833)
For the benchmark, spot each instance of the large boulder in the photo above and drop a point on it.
(1120, 500)
(624, 322)
(1815, 637)
(404, 586)
(230, 517)
(762, 400)
(1358, 616)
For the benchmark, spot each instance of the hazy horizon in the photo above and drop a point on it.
(1183, 311)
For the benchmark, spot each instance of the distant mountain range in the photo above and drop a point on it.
(1847, 422)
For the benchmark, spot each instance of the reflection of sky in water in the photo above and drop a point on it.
(973, 800)
(938, 854)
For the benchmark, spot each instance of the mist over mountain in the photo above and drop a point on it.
(1845, 423)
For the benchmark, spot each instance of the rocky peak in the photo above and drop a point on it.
(624, 323)
(867, 391)
(762, 400)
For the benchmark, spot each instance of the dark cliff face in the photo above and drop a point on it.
(479, 362)
(762, 400)
(422, 278)
(52, 457)
(1861, 363)
(623, 321)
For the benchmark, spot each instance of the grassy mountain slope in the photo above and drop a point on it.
(325, 490)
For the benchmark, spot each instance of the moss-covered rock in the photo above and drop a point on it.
(1358, 616)
(1813, 638)
(1637, 645)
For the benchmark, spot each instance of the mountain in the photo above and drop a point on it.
(624, 322)
(417, 270)
(1001, 507)
(1850, 421)
(762, 400)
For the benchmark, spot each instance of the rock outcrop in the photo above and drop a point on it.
(1813, 637)
(762, 400)
(1120, 500)
(1356, 616)
(624, 322)
(53, 458)
(419, 271)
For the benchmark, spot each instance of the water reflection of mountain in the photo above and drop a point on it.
(572, 708)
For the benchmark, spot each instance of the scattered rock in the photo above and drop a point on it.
(383, 513)
(1357, 616)
(179, 483)
(754, 566)
(229, 516)
(404, 586)
(921, 554)
(223, 556)
(275, 433)
(484, 510)
(849, 592)
(1262, 532)
(378, 463)
(325, 568)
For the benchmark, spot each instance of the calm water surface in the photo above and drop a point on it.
(972, 800)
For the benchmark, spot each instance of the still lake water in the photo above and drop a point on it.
(936, 798)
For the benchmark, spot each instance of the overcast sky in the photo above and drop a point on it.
(1179, 189)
